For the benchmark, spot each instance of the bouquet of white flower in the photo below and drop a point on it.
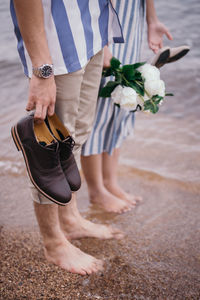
(135, 87)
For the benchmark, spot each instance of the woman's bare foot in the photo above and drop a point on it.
(78, 227)
(108, 201)
(72, 259)
(117, 191)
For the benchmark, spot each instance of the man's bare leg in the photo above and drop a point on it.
(92, 169)
(57, 248)
(75, 226)
(110, 169)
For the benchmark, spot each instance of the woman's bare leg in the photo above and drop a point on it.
(110, 177)
(92, 169)
(75, 226)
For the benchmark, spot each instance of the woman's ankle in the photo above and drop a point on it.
(96, 190)
(110, 184)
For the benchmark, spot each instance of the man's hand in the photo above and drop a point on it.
(42, 92)
(42, 97)
(156, 31)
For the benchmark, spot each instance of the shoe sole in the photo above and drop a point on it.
(20, 147)
(162, 59)
(178, 55)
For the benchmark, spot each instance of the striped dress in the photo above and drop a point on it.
(113, 124)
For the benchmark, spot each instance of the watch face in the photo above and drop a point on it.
(46, 71)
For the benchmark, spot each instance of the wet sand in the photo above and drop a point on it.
(158, 259)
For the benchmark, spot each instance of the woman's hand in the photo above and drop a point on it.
(156, 31)
(107, 55)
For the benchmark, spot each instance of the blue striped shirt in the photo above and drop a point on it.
(75, 29)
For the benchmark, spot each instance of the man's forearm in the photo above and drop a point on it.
(150, 12)
(30, 18)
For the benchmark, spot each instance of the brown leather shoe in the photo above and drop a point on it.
(66, 144)
(41, 155)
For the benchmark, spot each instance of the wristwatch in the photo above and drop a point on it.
(44, 71)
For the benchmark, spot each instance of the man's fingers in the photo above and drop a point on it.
(51, 109)
(44, 112)
(41, 110)
(30, 105)
(38, 112)
(42, 97)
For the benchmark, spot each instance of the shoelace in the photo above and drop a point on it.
(52, 145)
(66, 147)
(69, 142)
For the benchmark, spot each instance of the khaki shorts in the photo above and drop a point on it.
(75, 105)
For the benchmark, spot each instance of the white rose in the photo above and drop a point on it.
(117, 94)
(162, 89)
(126, 97)
(155, 87)
(149, 72)
(129, 98)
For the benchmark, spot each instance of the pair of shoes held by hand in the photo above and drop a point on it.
(47, 150)
(168, 55)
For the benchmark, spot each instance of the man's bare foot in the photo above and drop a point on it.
(117, 191)
(78, 227)
(72, 259)
(109, 202)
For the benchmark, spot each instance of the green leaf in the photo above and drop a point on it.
(129, 72)
(150, 105)
(107, 90)
(115, 63)
(107, 72)
(157, 97)
(147, 105)
(137, 65)
(138, 88)
(118, 77)
(138, 76)
(154, 109)
(169, 94)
